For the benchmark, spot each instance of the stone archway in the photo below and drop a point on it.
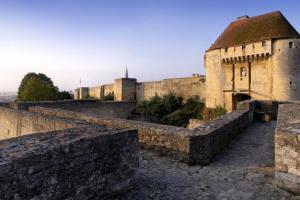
(237, 97)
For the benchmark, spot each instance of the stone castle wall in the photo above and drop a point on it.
(14, 123)
(197, 146)
(287, 148)
(68, 164)
(131, 90)
(120, 109)
(58, 158)
(184, 87)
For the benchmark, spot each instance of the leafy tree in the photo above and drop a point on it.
(39, 87)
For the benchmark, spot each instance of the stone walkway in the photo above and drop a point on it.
(243, 171)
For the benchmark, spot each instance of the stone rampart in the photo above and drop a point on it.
(77, 163)
(14, 123)
(50, 157)
(184, 87)
(128, 89)
(197, 146)
(120, 109)
(287, 148)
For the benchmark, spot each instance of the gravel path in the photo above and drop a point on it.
(243, 171)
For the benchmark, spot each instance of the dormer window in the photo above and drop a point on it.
(291, 45)
(226, 50)
(263, 43)
(243, 47)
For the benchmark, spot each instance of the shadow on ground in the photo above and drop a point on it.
(243, 171)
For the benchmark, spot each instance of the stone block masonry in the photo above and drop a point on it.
(287, 148)
(197, 146)
(120, 109)
(14, 123)
(48, 157)
(80, 163)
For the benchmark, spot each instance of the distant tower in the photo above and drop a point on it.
(126, 74)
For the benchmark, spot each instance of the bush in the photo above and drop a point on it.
(39, 87)
(109, 97)
(213, 113)
(219, 111)
(170, 110)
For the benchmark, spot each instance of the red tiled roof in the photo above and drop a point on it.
(268, 26)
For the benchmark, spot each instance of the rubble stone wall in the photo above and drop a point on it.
(197, 146)
(287, 148)
(79, 163)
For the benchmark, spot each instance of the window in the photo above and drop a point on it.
(291, 45)
(263, 43)
(243, 73)
(226, 49)
(243, 47)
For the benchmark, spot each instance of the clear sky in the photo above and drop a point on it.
(96, 39)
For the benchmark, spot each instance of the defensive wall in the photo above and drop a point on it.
(120, 109)
(287, 148)
(197, 146)
(58, 158)
(128, 89)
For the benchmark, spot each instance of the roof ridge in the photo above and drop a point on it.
(261, 27)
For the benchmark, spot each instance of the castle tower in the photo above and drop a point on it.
(254, 58)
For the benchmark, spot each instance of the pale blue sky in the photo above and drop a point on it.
(95, 39)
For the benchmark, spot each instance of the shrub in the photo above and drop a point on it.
(109, 97)
(170, 110)
(219, 111)
(213, 113)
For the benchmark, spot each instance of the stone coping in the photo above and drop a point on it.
(79, 160)
(287, 148)
(197, 146)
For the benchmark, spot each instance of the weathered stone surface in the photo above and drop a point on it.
(194, 123)
(120, 109)
(197, 146)
(80, 163)
(14, 123)
(244, 171)
(287, 147)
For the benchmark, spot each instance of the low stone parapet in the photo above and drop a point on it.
(116, 109)
(287, 148)
(79, 163)
(50, 157)
(197, 146)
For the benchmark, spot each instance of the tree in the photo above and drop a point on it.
(39, 87)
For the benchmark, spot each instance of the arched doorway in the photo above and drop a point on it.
(237, 97)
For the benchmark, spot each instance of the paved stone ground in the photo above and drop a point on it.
(243, 171)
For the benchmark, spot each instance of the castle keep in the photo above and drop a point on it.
(254, 58)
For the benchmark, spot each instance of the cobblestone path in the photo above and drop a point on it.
(243, 171)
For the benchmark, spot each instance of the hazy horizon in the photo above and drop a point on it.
(94, 41)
